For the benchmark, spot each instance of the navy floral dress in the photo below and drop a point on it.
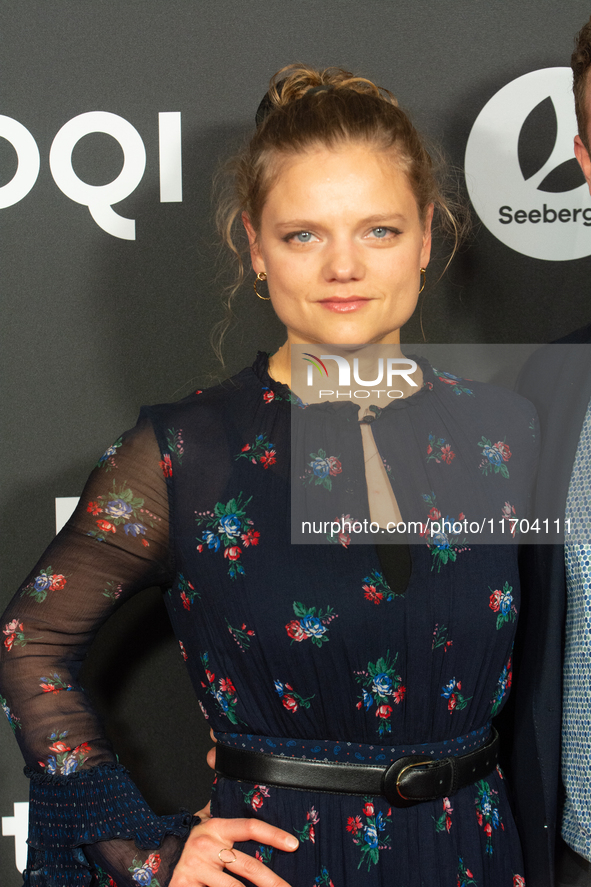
(302, 650)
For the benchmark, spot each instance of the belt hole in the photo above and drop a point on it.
(473, 769)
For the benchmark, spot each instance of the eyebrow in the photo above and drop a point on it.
(304, 224)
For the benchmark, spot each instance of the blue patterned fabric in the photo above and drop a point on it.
(307, 646)
(576, 735)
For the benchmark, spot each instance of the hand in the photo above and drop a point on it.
(200, 864)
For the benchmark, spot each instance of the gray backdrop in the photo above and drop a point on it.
(95, 325)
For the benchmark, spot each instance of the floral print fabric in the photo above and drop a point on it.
(305, 642)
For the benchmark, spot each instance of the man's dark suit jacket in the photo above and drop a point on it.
(557, 379)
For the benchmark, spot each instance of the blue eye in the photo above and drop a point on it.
(303, 237)
(380, 232)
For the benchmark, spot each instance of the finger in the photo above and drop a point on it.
(253, 870)
(211, 758)
(204, 857)
(205, 813)
(231, 830)
(212, 734)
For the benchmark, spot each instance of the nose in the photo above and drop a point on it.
(343, 262)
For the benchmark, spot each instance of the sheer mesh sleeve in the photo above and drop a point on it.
(88, 821)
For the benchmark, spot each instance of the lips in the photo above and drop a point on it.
(351, 303)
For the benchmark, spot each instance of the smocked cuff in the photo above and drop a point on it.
(99, 804)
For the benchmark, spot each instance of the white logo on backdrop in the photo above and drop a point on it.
(17, 827)
(522, 177)
(98, 198)
(64, 508)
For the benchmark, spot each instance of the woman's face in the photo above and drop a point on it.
(342, 243)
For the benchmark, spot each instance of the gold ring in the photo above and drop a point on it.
(226, 861)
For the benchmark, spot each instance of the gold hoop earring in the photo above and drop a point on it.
(262, 275)
(423, 272)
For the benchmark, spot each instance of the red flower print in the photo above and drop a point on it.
(461, 515)
(369, 810)
(210, 676)
(384, 711)
(186, 601)
(268, 458)
(257, 801)
(429, 449)
(13, 626)
(145, 542)
(59, 747)
(399, 694)
(233, 552)
(451, 702)
(334, 465)
(268, 396)
(354, 824)
(251, 537)
(166, 465)
(447, 454)
(153, 862)
(49, 688)
(495, 600)
(518, 881)
(290, 703)
(9, 641)
(312, 834)
(94, 508)
(57, 582)
(487, 828)
(200, 548)
(106, 526)
(434, 514)
(295, 630)
(245, 448)
(226, 686)
(469, 873)
(183, 653)
(503, 449)
(372, 594)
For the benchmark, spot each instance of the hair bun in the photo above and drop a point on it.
(296, 81)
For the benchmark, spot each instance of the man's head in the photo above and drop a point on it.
(581, 65)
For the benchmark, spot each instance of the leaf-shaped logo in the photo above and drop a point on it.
(537, 138)
(564, 177)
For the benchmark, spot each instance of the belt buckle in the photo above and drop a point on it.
(392, 778)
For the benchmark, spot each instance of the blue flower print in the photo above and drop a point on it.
(231, 525)
(118, 508)
(382, 684)
(310, 625)
(313, 626)
(212, 540)
(441, 540)
(226, 525)
(279, 687)
(492, 455)
(42, 581)
(320, 467)
(367, 700)
(134, 530)
(370, 835)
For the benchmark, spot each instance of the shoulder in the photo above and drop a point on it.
(217, 400)
(475, 398)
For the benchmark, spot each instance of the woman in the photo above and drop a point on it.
(341, 653)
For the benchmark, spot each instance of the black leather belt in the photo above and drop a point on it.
(408, 781)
